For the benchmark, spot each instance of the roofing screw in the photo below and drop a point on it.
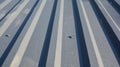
(7, 35)
(70, 37)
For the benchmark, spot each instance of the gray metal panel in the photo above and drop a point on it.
(89, 38)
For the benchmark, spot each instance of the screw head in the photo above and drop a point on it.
(70, 37)
(7, 35)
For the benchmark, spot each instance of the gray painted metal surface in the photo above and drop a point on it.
(59, 33)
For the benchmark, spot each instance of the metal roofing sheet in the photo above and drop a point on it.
(59, 33)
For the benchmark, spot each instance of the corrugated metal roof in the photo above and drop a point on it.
(59, 33)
